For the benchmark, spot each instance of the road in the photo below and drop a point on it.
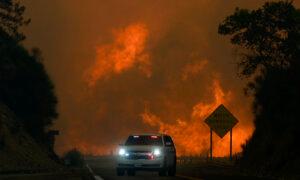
(105, 168)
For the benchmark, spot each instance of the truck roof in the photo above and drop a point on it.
(147, 134)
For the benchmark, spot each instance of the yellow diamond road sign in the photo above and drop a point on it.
(221, 121)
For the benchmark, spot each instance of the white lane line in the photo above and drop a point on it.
(92, 172)
(98, 178)
(187, 177)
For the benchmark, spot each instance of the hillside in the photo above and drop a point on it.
(18, 151)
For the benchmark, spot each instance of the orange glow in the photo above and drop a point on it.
(192, 136)
(127, 51)
(193, 69)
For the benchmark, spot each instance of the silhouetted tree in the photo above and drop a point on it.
(269, 38)
(11, 19)
(25, 86)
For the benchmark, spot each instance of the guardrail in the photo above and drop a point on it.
(195, 160)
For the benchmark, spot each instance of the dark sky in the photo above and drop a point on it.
(135, 66)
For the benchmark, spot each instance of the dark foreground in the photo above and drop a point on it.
(198, 169)
(100, 168)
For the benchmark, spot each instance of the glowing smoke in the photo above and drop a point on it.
(193, 69)
(125, 52)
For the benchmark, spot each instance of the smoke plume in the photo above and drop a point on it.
(123, 67)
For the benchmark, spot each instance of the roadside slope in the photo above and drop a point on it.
(18, 151)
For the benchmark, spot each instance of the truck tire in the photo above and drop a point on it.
(131, 172)
(172, 169)
(120, 172)
(162, 171)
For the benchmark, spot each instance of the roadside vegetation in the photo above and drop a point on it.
(19, 152)
(25, 86)
(268, 42)
(27, 98)
(74, 158)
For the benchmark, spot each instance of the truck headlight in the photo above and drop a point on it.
(122, 152)
(157, 152)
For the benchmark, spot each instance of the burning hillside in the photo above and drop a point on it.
(173, 92)
(191, 136)
(143, 79)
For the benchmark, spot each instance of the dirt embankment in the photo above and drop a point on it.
(18, 151)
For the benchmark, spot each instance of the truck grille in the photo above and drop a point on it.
(134, 155)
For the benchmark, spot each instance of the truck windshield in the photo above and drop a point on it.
(144, 140)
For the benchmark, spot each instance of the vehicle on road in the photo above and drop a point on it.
(148, 152)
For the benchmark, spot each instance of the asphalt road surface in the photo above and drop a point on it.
(104, 168)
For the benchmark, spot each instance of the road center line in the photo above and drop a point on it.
(92, 172)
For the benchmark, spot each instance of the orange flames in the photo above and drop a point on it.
(127, 50)
(192, 136)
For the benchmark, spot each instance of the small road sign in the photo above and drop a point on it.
(221, 121)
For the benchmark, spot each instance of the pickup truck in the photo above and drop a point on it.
(147, 152)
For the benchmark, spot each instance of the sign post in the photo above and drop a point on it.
(211, 156)
(230, 145)
(221, 121)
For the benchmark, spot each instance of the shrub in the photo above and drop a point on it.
(74, 158)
